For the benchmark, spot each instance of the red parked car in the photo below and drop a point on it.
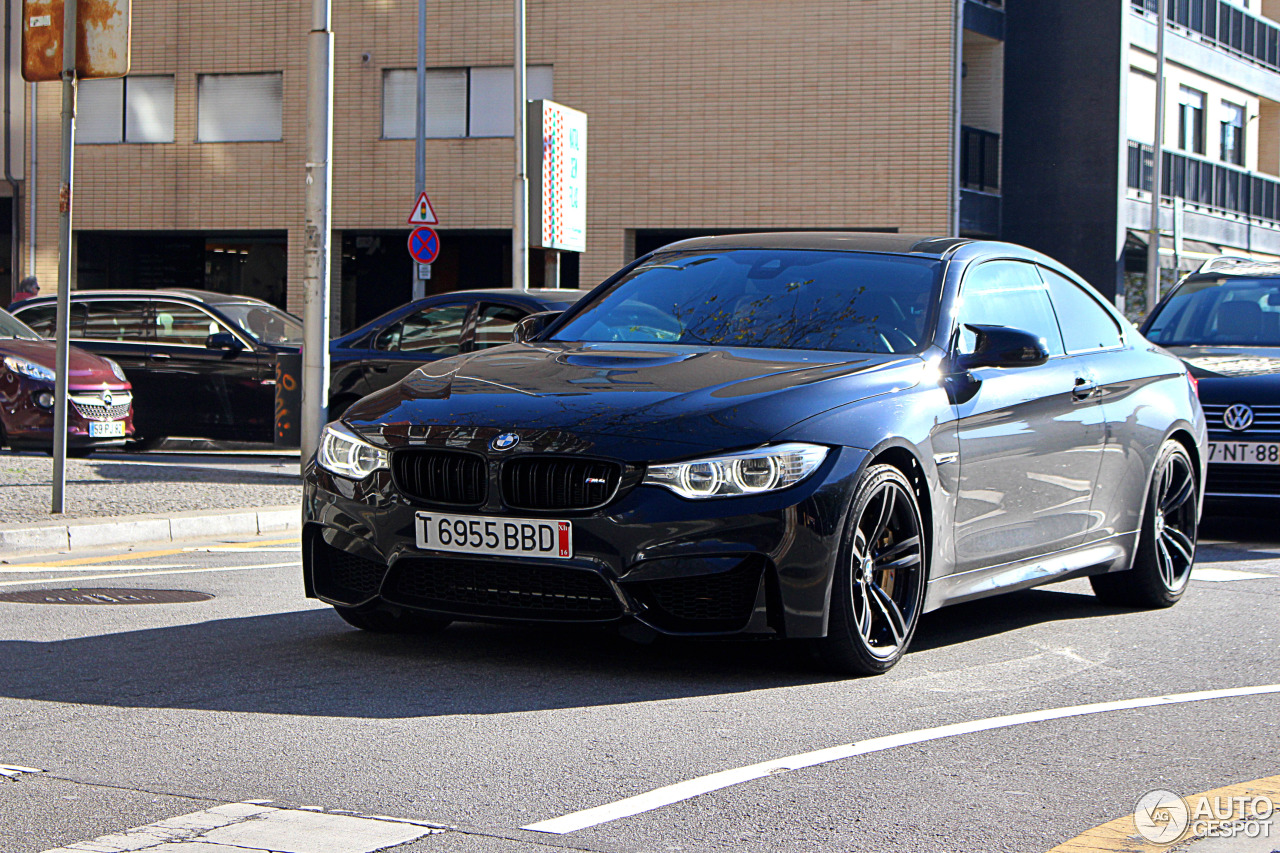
(100, 410)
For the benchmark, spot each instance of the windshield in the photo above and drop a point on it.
(1220, 312)
(265, 322)
(775, 298)
(12, 327)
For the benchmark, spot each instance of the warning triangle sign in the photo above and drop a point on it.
(423, 213)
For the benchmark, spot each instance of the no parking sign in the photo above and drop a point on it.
(424, 245)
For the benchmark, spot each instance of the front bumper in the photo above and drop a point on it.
(758, 564)
(29, 425)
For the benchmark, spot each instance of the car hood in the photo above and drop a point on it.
(629, 400)
(1234, 374)
(85, 368)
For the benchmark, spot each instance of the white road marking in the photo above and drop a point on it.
(236, 549)
(13, 771)
(79, 578)
(1219, 575)
(38, 567)
(691, 788)
(252, 826)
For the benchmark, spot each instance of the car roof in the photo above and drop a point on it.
(543, 294)
(847, 241)
(1230, 266)
(206, 296)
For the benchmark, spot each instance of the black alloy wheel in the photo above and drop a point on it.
(386, 620)
(879, 584)
(1167, 542)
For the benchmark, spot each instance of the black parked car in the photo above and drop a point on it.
(202, 364)
(1224, 321)
(385, 350)
(816, 436)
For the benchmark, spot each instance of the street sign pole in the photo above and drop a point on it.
(420, 129)
(520, 209)
(317, 238)
(63, 315)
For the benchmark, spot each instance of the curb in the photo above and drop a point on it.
(129, 529)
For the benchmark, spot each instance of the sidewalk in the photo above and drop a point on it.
(118, 498)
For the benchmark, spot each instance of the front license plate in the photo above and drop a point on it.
(106, 429)
(1244, 452)
(515, 537)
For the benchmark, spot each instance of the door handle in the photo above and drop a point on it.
(1085, 387)
(378, 368)
(160, 356)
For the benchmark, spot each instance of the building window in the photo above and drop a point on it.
(239, 107)
(446, 103)
(1191, 120)
(1232, 133)
(125, 109)
(461, 102)
(1141, 99)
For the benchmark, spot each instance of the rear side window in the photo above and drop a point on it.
(1011, 294)
(110, 320)
(1085, 324)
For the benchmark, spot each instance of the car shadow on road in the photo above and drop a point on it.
(309, 663)
(1001, 614)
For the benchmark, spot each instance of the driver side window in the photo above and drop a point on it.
(1011, 294)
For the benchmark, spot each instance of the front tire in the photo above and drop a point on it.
(878, 588)
(381, 620)
(1167, 542)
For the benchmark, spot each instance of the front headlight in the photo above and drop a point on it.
(115, 368)
(29, 368)
(346, 454)
(747, 473)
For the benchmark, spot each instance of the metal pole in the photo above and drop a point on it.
(31, 184)
(64, 253)
(551, 268)
(953, 185)
(315, 253)
(419, 287)
(1157, 168)
(520, 210)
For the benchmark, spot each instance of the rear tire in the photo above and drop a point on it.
(1167, 542)
(878, 588)
(381, 620)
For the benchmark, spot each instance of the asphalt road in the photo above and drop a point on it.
(142, 713)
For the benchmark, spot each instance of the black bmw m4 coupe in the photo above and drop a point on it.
(812, 436)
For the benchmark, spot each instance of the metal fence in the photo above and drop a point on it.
(1206, 183)
(1228, 26)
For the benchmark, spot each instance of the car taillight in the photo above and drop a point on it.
(1194, 383)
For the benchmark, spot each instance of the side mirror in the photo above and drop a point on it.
(530, 327)
(223, 341)
(1000, 346)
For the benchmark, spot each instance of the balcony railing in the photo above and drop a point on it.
(1227, 26)
(1206, 183)
(979, 159)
